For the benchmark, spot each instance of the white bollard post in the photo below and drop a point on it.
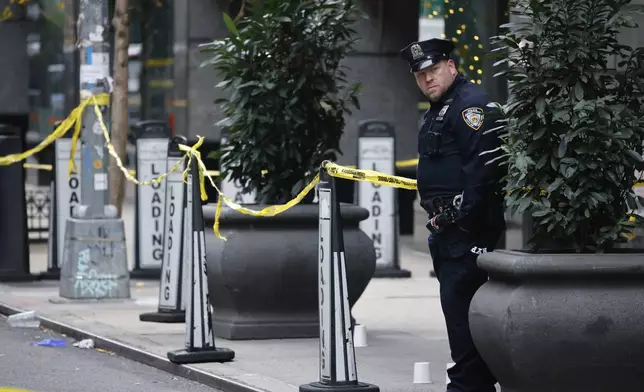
(337, 354)
(200, 338)
(172, 299)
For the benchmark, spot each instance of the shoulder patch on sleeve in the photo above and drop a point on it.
(473, 117)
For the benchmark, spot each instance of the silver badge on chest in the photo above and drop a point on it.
(441, 114)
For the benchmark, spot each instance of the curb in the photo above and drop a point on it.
(132, 353)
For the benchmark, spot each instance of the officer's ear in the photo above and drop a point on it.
(452, 67)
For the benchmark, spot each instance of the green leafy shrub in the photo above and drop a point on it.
(288, 92)
(574, 124)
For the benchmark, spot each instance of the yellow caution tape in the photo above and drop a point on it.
(374, 177)
(77, 115)
(407, 163)
(332, 168)
(38, 166)
(60, 131)
(203, 173)
(8, 389)
(112, 151)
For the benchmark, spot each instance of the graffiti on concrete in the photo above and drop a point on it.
(89, 282)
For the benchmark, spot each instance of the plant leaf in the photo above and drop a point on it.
(230, 25)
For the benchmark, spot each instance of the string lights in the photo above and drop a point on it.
(460, 26)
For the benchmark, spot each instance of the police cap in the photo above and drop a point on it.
(423, 54)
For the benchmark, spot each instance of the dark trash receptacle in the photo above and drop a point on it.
(13, 215)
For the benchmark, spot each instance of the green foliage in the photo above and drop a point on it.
(288, 92)
(461, 28)
(574, 124)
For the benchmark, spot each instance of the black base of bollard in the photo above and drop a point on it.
(146, 274)
(432, 273)
(392, 272)
(50, 274)
(210, 354)
(11, 276)
(357, 387)
(163, 317)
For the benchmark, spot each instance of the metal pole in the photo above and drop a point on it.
(95, 250)
(93, 27)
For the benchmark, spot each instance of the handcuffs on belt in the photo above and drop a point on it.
(446, 215)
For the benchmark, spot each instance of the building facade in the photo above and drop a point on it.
(167, 82)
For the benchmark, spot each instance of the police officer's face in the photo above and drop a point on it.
(435, 80)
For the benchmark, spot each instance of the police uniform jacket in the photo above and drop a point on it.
(454, 133)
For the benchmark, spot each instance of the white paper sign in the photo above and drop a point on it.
(100, 181)
(90, 73)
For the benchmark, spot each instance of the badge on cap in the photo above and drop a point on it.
(473, 117)
(417, 52)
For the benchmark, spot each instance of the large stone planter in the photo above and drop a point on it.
(263, 280)
(562, 322)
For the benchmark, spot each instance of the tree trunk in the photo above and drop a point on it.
(120, 124)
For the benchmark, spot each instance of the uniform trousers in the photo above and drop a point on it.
(459, 278)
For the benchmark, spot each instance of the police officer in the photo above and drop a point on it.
(461, 194)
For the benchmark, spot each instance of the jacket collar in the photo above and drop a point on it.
(451, 91)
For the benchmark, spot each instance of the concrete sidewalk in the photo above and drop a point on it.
(402, 316)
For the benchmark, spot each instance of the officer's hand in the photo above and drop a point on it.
(434, 225)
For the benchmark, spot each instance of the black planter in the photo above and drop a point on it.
(562, 322)
(263, 280)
